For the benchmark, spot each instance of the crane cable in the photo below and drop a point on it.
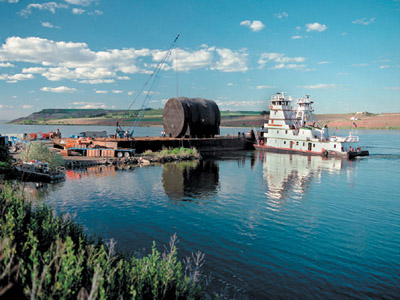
(155, 76)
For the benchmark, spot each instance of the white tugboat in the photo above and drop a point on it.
(296, 131)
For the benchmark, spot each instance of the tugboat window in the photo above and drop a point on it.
(286, 131)
(334, 146)
(313, 145)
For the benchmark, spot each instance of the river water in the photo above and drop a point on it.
(270, 225)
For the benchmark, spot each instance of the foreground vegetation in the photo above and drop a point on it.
(43, 256)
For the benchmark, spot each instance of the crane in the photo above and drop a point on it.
(151, 82)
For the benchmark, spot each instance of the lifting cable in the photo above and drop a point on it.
(155, 75)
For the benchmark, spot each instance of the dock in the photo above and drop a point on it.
(110, 147)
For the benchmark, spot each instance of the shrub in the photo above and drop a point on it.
(39, 151)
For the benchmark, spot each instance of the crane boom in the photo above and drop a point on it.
(151, 82)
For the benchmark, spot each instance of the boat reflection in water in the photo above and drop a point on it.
(39, 190)
(289, 175)
(190, 180)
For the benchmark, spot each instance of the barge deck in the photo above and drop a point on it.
(141, 144)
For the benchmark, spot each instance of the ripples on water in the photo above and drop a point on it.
(271, 225)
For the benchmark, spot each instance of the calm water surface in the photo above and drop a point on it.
(271, 225)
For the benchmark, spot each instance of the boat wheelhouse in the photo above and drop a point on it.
(297, 131)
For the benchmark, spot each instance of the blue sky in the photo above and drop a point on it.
(98, 54)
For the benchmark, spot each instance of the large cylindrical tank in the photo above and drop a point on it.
(193, 117)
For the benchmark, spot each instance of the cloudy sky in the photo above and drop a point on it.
(99, 54)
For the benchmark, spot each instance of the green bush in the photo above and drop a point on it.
(39, 151)
(180, 152)
(48, 257)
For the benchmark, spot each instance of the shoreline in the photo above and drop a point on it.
(385, 121)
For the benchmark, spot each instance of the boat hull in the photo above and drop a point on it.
(349, 155)
(38, 177)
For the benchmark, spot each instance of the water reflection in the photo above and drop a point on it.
(95, 171)
(188, 180)
(290, 174)
(39, 190)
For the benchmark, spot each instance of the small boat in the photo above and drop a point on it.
(296, 131)
(38, 171)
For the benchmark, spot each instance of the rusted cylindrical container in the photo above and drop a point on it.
(193, 117)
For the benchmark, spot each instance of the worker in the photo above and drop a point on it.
(58, 133)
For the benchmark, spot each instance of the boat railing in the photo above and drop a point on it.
(345, 139)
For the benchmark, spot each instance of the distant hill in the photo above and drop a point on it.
(56, 114)
(127, 117)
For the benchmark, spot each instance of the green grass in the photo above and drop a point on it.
(179, 152)
(43, 256)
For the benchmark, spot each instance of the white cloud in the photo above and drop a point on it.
(96, 12)
(150, 93)
(34, 70)
(229, 84)
(11, 1)
(257, 26)
(101, 92)
(130, 93)
(254, 26)
(321, 86)
(89, 105)
(187, 61)
(58, 60)
(231, 61)
(5, 106)
(324, 62)
(287, 66)
(343, 33)
(282, 61)
(97, 81)
(239, 103)
(49, 6)
(79, 2)
(360, 65)
(60, 89)
(26, 106)
(384, 67)
(364, 21)
(117, 92)
(16, 77)
(315, 27)
(78, 11)
(261, 87)
(49, 25)
(296, 37)
(6, 65)
(281, 15)
(393, 88)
